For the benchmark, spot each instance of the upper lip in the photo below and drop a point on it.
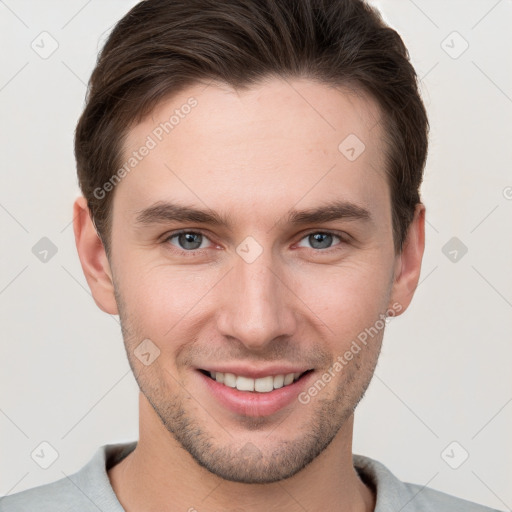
(256, 373)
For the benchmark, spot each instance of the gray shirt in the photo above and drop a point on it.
(89, 489)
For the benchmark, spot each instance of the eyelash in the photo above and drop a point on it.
(194, 252)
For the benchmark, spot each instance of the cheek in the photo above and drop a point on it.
(161, 299)
(346, 298)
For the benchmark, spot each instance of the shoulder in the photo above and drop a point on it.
(86, 490)
(425, 498)
(392, 494)
(57, 496)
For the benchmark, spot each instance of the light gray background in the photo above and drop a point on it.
(444, 373)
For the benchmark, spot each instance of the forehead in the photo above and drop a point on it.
(272, 145)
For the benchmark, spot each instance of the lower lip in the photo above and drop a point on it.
(254, 404)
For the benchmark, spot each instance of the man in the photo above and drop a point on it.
(251, 210)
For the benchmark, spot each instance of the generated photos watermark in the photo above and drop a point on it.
(355, 347)
(152, 140)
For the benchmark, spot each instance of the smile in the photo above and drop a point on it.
(260, 385)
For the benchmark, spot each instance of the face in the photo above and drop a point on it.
(293, 262)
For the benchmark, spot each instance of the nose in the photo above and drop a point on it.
(255, 304)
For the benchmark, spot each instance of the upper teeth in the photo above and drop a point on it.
(262, 385)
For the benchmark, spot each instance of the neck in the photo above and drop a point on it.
(160, 475)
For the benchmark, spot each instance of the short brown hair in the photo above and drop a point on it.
(163, 46)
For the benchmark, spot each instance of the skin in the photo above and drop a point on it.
(253, 155)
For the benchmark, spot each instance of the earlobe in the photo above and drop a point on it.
(93, 258)
(408, 262)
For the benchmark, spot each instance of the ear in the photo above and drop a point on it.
(408, 262)
(93, 258)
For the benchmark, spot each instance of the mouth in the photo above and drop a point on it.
(264, 384)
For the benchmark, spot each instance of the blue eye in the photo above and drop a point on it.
(321, 240)
(188, 240)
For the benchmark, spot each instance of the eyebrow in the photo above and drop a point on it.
(163, 212)
(335, 210)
